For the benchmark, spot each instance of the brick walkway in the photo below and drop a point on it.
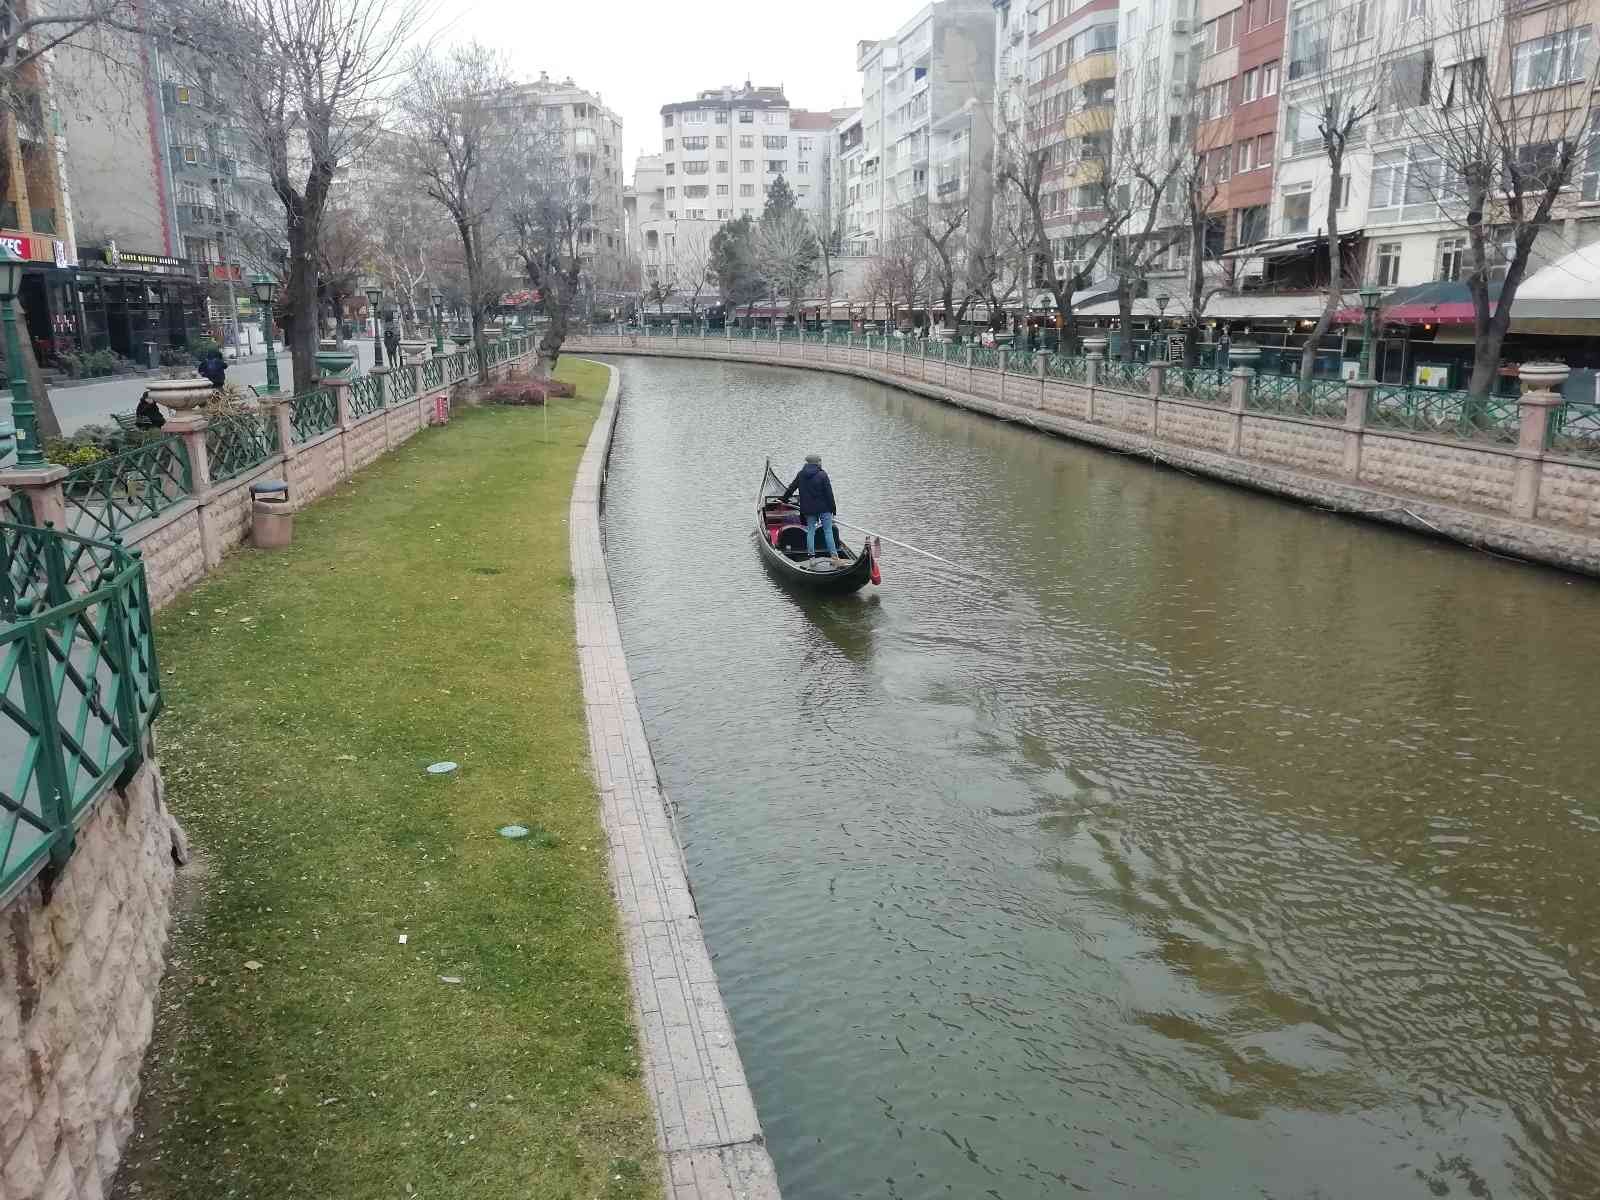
(706, 1122)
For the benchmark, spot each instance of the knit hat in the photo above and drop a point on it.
(814, 458)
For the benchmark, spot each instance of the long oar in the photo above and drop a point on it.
(902, 545)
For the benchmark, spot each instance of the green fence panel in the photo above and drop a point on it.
(312, 413)
(1129, 376)
(79, 684)
(106, 497)
(402, 385)
(238, 442)
(1062, 366)
(1319, 399)
(1196, 383)
(1445, 413)
(366, 395)
(432, 374)
(1575, 428)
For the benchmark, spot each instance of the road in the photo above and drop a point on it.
(93, 403)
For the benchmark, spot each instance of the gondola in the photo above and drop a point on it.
(781, 534)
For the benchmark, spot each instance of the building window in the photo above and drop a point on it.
(1388, 264)
(775, 141)
(747, 189)
(672, 168)
(802, 167)
(746, 165)
(775, 166)
(693, 143)
(1549, 61)
(722, 166)
(1269, 79)
(1297, 210)
(1405, 186)
(666, 119)
(722, 142)
(1452, 257)
(1341, 198)
(672, 193)
(805, 144)
(697, 192)
(694, 214)
(773, 117)
(696, 167)
(1247, 86)
(724, 213)
(1252, 224)
(746, 117)
(1264, 150)
(722, 189)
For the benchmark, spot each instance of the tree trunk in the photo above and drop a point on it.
(300, 305)
(1308, 353)
(1125, 316)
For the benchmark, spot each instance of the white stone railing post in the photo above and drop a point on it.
(1241, 384)
(1541, 396)
(1095, 348)
(1357, 396)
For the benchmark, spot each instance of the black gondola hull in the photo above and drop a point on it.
(852, 577)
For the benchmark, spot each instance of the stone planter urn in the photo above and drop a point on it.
(180, 395)
(415, 350)
(1096, 346)
(334, 362)
(1244, 356)
(462, 340)
(1543, 376)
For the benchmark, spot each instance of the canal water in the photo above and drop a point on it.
(1182, 843)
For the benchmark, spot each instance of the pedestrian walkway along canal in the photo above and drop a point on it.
(1194, 844)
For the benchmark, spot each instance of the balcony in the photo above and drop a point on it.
(199, 218)
(1101, 64)
(43, 220)
(1096, 118)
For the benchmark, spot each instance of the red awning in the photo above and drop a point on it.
(1443, 303)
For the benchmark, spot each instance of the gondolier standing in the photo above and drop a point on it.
(816, 506)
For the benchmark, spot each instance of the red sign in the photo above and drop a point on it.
(15, 245)
(225, 271)
(441, 408)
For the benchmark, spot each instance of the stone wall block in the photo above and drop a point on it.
(23, 1173)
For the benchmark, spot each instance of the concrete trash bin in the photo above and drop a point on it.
(271, 518)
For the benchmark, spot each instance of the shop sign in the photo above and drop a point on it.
(134, 260)
(225, 271)
(14, 245)
(61, 254)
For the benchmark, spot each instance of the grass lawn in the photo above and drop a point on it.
(424, 613)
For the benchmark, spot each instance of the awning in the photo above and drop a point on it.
(1440, 303)
(1568, 287)
(1293, 306)
(1286, 247)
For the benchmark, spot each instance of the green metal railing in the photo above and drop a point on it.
(402, 385)
(989, 359)
(366, 395)
(108, 496)
(312, 413)
(1448, 413)
(1061, 366)
(235, 444)
(433, 374)
(1575, 428)
(1196, 383)
(79, 686)
(1119, 373)
(1320, 399)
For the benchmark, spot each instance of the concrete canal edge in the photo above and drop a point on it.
(706, 1126)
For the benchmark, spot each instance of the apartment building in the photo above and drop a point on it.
(938, 65)
(721, 152)
(591, 136)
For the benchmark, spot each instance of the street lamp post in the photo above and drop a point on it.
(1161, 324)
(438, 323)
(375, 298)
(1369, 325)
(29, 453)
(264, 286)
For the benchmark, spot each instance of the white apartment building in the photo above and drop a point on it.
(939, 64)
(720, 154)
(592, 136)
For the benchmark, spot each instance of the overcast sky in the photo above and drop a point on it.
(640, 55)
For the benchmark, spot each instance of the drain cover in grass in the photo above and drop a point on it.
(441, 768)
(513, 831)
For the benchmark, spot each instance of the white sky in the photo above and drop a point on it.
(640, 55)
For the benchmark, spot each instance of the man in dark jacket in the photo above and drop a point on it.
(214, 367)
(816, 506)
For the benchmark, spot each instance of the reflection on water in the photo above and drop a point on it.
(1187, 843)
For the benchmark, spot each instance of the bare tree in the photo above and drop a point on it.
(344, 255)
(453, 105)
(998, 264)
(1342, 53)
(1196, 189)
(695, 266)
(549, 216)
(662, 280)
(310, 76)
(942, 226)
(899, 271)
(1497, 139)
(787, 256)
(827, 224)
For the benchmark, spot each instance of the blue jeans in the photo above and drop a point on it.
(826, 520)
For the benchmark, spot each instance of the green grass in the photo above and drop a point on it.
(423, 613)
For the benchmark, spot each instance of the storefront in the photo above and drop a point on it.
(49, 313)
(130, 299)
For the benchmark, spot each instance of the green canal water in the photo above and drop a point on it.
(1188, 843)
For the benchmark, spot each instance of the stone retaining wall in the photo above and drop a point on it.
(1518, 500)
(79, 971)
